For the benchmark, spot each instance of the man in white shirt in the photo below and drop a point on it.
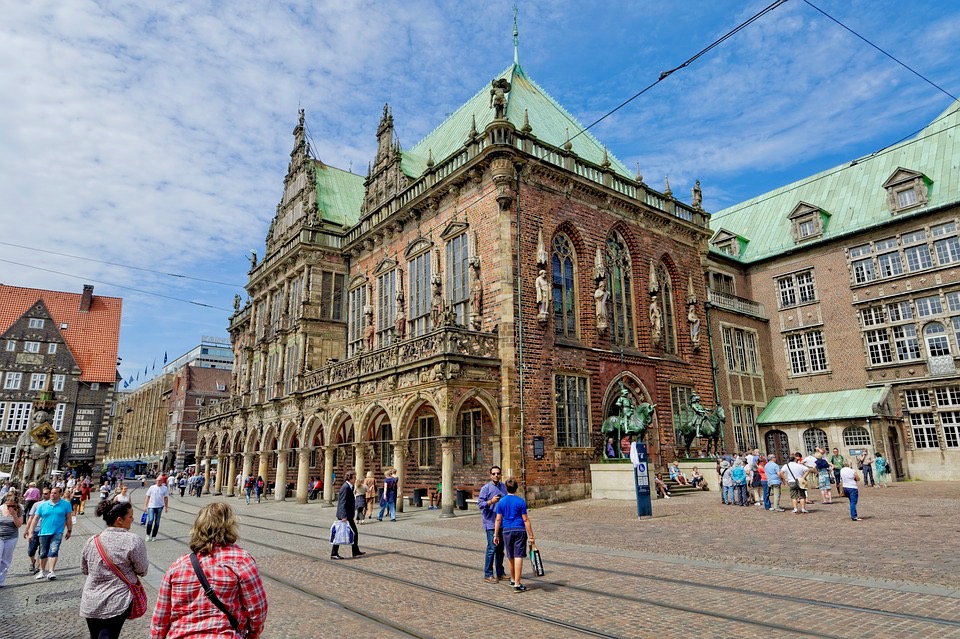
(792, 473)
(157, 501)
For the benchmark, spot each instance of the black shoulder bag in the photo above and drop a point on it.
(208, 591)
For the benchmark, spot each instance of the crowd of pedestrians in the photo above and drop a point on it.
(754, 479)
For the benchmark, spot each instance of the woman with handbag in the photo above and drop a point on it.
(112, 562)
(235, 604)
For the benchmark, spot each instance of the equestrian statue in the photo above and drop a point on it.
(705, 424)
(632, 421)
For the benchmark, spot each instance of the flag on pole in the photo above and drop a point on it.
(154, 363)
(164, 357)
(138, 375)
(146, 371)
(125, 384)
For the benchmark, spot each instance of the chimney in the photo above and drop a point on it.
(87, 298)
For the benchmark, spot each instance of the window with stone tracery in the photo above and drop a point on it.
(564, 291)
(620, 287)
(665, 300)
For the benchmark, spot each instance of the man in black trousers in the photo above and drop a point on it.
(346, 511)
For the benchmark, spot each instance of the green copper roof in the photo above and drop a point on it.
(339, 194)
(815, 407)
(852, 195)
(549, 120)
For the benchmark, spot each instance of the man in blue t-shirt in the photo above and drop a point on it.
(512, 520)
(490, 495)
(52, 515)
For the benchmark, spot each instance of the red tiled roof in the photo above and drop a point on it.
(93, 337)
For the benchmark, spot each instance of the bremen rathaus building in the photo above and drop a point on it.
(481, 298)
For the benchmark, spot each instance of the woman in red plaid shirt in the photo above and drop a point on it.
(183, 610)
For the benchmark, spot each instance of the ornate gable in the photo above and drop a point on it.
(454, 228)
(417, 246)
(388, 264)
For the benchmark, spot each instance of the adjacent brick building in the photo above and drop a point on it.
(848, 285)
(477, 299)
(65, 344)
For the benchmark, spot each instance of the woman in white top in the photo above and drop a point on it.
(848, 479)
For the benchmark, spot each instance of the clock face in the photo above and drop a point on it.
(44, 435)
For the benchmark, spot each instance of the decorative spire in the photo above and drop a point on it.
(473, 127)
(430, 161)
(542, 256)
(668, 192)
(654, 287)
(691, 293)
(516, 38)
(568, 144)
(599, 268)
(606, 159)
(639, 176)
(526, 128)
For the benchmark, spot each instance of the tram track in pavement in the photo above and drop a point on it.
(732, 590)
(674, 607)
(286, 583)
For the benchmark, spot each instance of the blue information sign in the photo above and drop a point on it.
(642, 480)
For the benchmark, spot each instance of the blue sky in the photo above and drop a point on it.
(157, 134)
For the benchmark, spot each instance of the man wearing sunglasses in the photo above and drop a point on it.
(491, 493)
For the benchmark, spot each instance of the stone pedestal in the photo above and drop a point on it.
(614, 481)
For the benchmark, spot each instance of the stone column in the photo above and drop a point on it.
(206, 473)
(263, 469)
(232, 477)
(222, 471)
(280, 481)
(247, 466)
(328, 474)
(359, 459)
(495, 450)
(303, 475)
(400, 461)
(446, 476)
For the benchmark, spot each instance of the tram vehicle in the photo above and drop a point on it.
(129, 468)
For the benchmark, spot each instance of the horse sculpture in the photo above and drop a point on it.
(632, 421)
(703, 424)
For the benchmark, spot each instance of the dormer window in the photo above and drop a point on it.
(906, 190)
(808, 222)
(728, 243)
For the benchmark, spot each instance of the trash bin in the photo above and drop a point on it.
(462, 497)
(418, 495)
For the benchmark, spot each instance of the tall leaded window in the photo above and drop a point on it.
(386, 306)
(564, 293)
(356, 300)
(470, 437)
(571, 405)
(665, 300)
(331, 296)
(458, 287)
(427, 433)
(420, 294)
(386, 449)
(620, 287)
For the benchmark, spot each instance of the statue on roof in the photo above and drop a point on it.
(498, 97)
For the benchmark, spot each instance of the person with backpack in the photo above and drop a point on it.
(182, 485)
(248, 487)
(260, 486)
(726, 483)
(738, 475)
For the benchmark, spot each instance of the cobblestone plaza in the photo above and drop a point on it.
(696, 569)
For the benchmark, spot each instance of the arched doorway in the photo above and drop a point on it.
(778, 444)
(893, 452)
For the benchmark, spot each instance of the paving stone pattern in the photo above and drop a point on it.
(695, 569)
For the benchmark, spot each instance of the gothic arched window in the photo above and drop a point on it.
(665, 300)
(620, 286)
(564, 293)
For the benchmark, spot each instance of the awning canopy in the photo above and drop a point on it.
(818, 407)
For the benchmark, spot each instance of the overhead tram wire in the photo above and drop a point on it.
(135, 268)
(665, 74)
(128, 288)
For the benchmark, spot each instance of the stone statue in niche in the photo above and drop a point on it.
(694, 322)
(476, 298)
(436, 304)
(697, 196)
(543, 296)
(236, 302)
(656, 320)
(369, 332)
(400, 322)
(600, 297)
(253, 259)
